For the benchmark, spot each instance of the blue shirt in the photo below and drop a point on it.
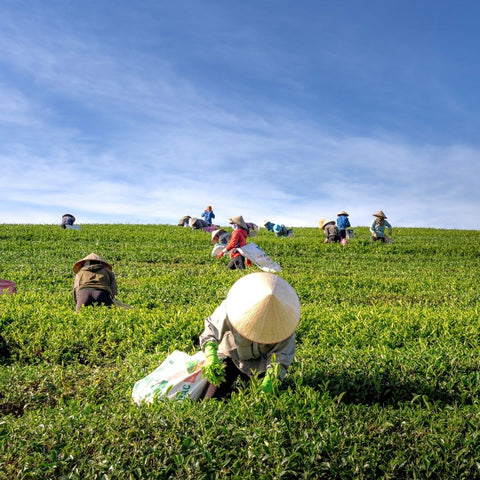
(208, 215)
(343, 222)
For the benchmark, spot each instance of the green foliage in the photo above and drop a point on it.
(385, 382)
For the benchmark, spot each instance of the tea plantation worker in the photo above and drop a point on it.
(221, 237)
(95, 282)
(183, 222)
(332, 235)
(378, 226)
(197, 223)
(343, 223)
(208, 215)
(278, 229)
(67, 219)
(251, 332)
(238, 239)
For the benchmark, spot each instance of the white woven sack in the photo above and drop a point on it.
(178, 377)
(256, 255)
(217, 249)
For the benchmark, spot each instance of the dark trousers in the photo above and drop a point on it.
(225, 389)
(237, 263)
(333, 239)
(90, 296)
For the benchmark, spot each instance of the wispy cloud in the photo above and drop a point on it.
(128, 134)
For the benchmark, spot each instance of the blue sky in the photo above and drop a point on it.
(142, 112)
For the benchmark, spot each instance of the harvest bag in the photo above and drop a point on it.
(7, 285)
(178, 377)
(218, 248)
(255, 254)
(350, 233)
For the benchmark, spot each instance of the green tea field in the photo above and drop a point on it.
(385, 383)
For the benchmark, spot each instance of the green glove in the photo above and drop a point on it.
(213, 369)
(270, 381)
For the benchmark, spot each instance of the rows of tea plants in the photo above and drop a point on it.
(385, 381)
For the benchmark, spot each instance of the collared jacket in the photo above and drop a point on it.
(238, 239)
(343, 222)
(97, 277)
(208, 215)
(379, 229)
(248, 356)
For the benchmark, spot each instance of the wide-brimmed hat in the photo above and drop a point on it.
(379, 214)
(215, 233)
(322, 223)
(343, 212)
(263, 308)
(92, 256)
(191, 221)
(239, 221)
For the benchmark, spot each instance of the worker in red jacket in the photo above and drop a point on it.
(237, 240)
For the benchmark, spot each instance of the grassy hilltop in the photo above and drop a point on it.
(385, 382)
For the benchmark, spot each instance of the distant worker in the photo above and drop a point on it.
(197, 223)
(378, 226)
(343, 223)
(183, 222)
(95, 282)
(238, 239)
(332, 234)
(251, 332)
(67, 220)
(208, 215)
(278, 229)
(221, 237)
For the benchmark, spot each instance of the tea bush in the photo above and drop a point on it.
(385, 381)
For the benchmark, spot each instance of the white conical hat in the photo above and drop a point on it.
(92, 256)
(215, 233)
(263, 307)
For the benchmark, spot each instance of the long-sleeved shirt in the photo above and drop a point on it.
(248, 356)
(343, 222)
(238, 239)
(379, 230)
(208, 215)
(96, 276)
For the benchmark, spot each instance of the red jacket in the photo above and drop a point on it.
(237, 240)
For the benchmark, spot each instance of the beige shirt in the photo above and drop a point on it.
(248, 356)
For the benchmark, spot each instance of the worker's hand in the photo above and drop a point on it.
(270, 382)
(374, 235)
(213, 369)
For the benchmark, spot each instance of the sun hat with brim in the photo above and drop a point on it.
(263, 308)
(239, 221)
(323, 223)
(343, 212)
(215, 233)
(93, 256)
(379, 214)
(191, 221)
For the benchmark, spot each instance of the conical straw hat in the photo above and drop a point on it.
(263, 308)
(92, 256)
(379, 214)
(239, 221)
(322, 223)
(215, 234)
(343, 212)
